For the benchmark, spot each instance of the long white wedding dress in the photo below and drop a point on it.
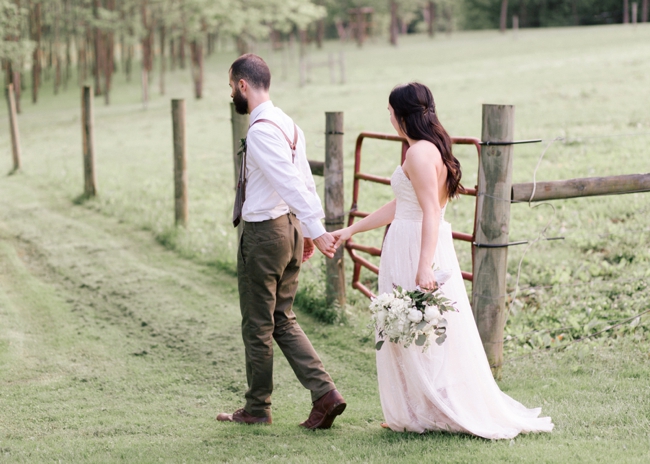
(449, 387)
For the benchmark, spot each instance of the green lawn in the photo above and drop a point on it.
(119, 336)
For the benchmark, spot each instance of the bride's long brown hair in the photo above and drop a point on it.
(415, 112)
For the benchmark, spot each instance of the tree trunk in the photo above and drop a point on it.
(147, 41)
(361, 28)
(242, 45)
(181, 50)
(340, 29)
(172, 53)
(57, 74)
(210, 39)
(146, 53)
(320, 33)
(98, 50)
(393, 22)
(128, 67)
(626, 12)
(109, 64)
(196, 51)
(68, 61)
(163, 59)
(36, 56)
(644, 11)
(16, 79)
(431, 19)
(449, 17)
(503, 24)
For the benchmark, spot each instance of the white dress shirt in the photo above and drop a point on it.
(274, 185)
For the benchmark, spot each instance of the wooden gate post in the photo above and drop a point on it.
(492, 228)
(88, 138)
(180, 162)
(239, 131)
(13, 126)
(334, 212)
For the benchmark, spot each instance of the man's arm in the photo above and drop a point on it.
(272, 154)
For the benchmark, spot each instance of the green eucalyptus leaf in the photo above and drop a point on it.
(440, 340)
(379, 344)
(421, 340)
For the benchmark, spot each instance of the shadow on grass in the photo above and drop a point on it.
(82, 199)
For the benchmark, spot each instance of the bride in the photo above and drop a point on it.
(449, 387)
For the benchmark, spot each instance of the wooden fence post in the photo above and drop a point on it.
(13, 126)
(240, 124)
(180, 162)
(87, 129)
(503, 22)
(493, 215)
(239, 130)
(334, 211)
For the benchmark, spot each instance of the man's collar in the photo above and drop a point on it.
(259, 108)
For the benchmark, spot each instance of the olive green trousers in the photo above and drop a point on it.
(268, 264)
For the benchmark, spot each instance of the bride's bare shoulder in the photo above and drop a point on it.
(424, 152)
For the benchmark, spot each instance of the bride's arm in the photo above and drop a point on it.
(380, 217)
(423, 172)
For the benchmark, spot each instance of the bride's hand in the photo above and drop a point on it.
(426, 280)
(341, 236)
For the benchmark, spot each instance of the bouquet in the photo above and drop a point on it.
(406, 316)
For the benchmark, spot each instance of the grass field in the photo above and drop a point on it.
(113, 347)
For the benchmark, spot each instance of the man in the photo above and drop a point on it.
(280, 208)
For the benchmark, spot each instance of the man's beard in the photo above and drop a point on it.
(241, 102)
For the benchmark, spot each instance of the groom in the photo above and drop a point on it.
(278, 203)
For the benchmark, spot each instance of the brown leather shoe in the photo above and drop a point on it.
(242, 417)
(325, 410)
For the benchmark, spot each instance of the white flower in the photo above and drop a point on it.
(432, 312)
(414, 315)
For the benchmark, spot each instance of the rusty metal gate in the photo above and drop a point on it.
(353, 247)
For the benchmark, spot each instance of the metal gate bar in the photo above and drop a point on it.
(359, 176)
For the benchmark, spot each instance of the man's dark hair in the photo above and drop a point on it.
(253, 70)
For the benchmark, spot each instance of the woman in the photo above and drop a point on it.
(449, 387)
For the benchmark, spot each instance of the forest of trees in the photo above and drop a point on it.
(90, 40)
(483, 14)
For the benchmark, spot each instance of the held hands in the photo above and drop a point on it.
(308, 249)
(426, 280)
(325, 243)
(341, 236)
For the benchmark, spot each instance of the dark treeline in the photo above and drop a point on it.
(484, 14)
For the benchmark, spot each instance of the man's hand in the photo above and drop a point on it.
(325, 243)
(308, 249)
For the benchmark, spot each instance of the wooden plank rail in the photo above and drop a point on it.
(585, 187)
(317, 167)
